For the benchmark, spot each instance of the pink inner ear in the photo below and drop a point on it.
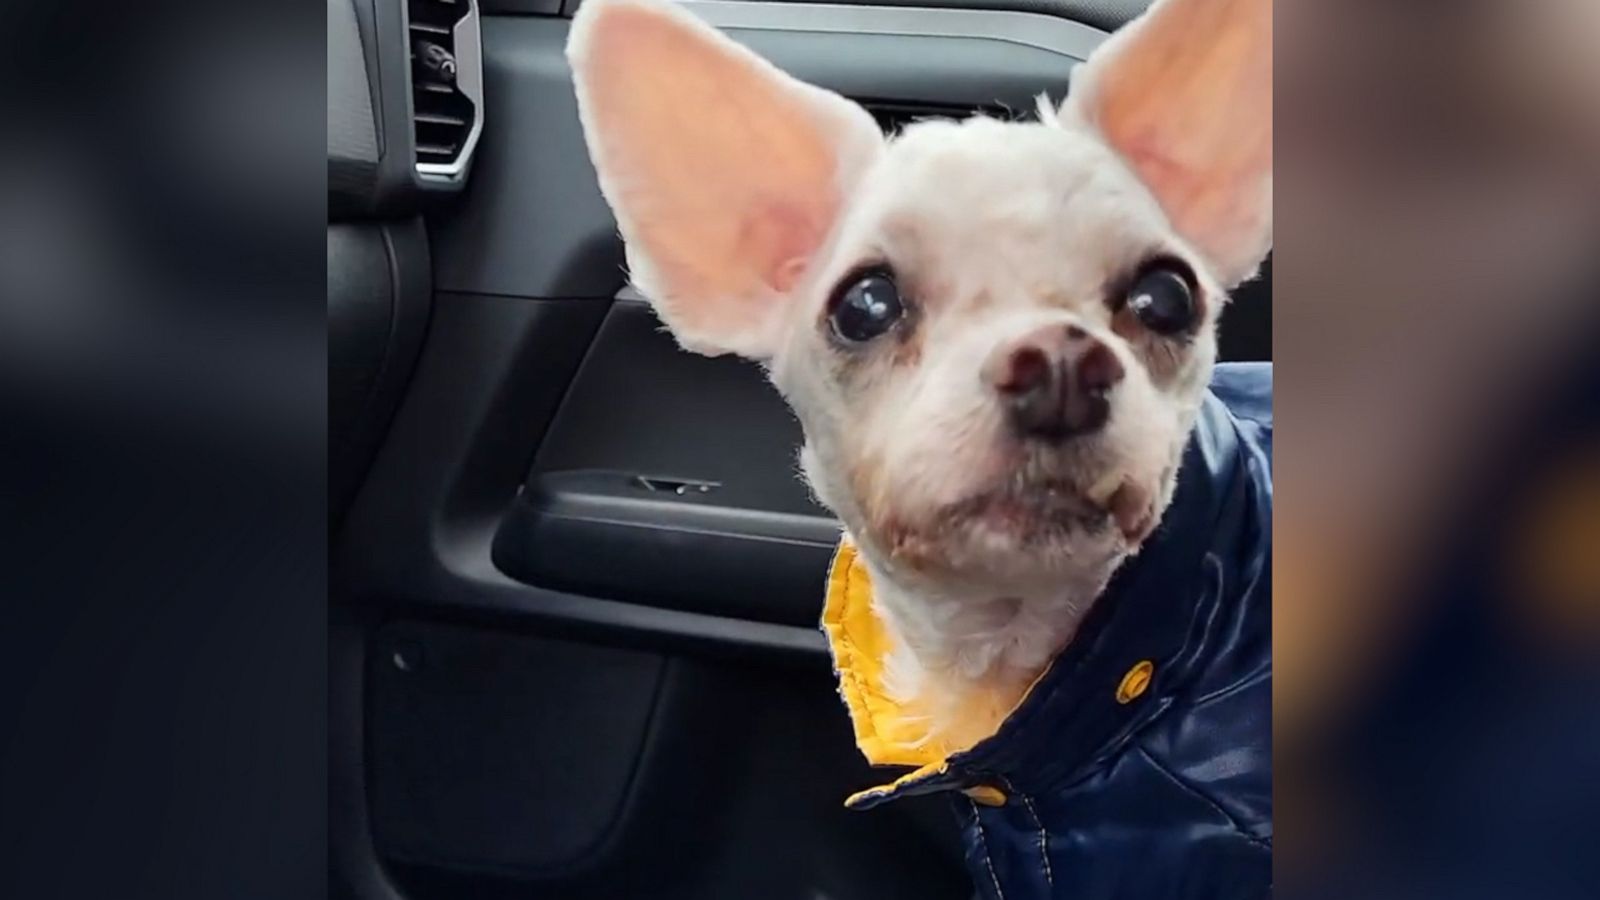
(1213, 197)
(1186, 98)
(724, 172)
(781, 238)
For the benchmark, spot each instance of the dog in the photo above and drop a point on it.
(998, 336)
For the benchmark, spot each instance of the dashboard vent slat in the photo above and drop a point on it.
(893, 116)
(445, 80)
(438, 119)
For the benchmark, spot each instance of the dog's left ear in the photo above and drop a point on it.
(1184, 95)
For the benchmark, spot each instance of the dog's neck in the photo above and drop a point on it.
(964, 654)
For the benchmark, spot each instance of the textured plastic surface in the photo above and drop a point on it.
(641, 404)
(352, 125)
(379, 291)
(607, 534)
(732, 793)
(494, 751)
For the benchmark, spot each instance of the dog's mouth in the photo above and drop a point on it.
(1050, 510)
(1039, 525)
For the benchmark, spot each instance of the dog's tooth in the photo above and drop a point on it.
(1100, 492)
(1132, 511)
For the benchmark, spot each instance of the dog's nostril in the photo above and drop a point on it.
(1098, 369)
(1028, 369)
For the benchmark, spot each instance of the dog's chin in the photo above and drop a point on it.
(1044, 528)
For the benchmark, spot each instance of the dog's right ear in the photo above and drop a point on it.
(1184, 95)
(726, 175)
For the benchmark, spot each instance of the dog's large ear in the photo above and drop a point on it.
(727, 176)
(1184, 95)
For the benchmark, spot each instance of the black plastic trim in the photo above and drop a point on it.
(419, 535)
(681, 544)
(380, 290)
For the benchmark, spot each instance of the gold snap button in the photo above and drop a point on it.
(1136, 682)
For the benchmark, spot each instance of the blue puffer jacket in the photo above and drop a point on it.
(1139, 765)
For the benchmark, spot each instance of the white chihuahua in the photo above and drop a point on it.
(996, 335)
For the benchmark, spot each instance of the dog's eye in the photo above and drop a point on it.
(866, 305)
(1162, 299)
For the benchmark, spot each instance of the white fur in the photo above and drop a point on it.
(1039, 218)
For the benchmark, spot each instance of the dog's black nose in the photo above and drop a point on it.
(1055, 382)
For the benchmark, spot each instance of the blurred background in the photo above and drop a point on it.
(162, 403)
(162, 450)
(1437, 606)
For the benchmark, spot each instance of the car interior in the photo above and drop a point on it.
(573, 643)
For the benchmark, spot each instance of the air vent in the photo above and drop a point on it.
(895, 116)
(892, 116)
(446, 85)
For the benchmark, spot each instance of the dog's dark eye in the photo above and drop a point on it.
(865, 305)
(1162, 299)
